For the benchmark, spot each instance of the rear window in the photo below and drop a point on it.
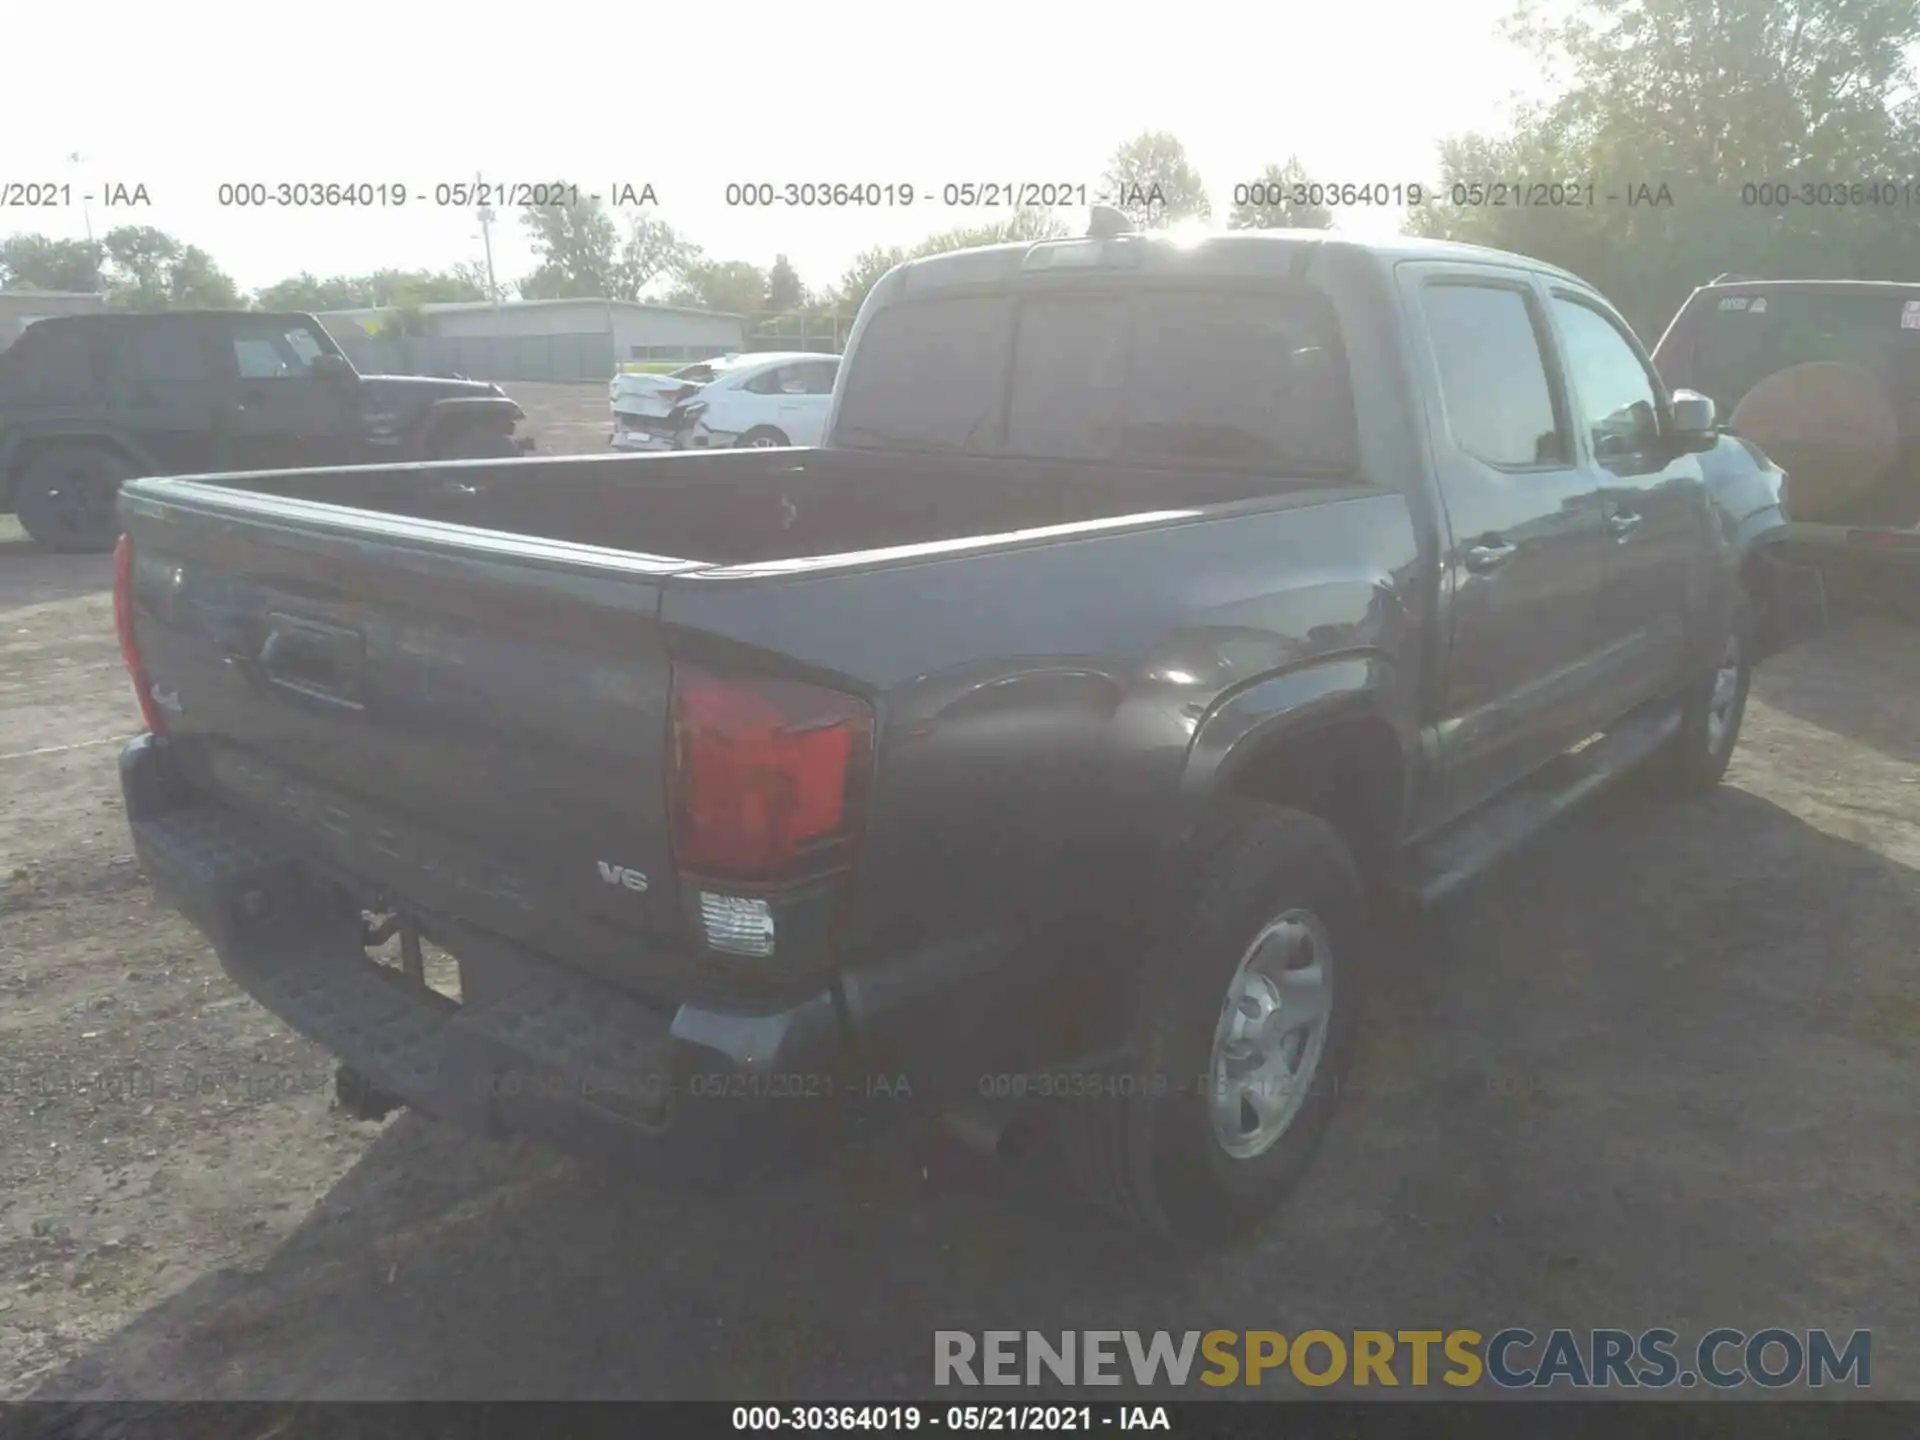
(1253, 379)
(1742, 339)
(48, 360)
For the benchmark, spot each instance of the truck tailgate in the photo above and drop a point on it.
(482, 738)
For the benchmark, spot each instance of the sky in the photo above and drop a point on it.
(186, 96)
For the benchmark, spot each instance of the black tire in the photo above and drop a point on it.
(1152, 1154)
(1696, 759)
(65, 498)
(474, 445)
(763, 437)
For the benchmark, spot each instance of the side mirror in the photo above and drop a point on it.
(1692, 423)
(332, 367)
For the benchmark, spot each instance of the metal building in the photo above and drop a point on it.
(20, 308)
(535, 339)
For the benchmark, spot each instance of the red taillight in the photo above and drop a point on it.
(129, 641)
(763, 771)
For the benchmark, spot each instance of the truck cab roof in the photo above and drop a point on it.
(1233, 254)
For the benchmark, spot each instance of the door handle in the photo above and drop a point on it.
(1489, 554)
(1622, 524)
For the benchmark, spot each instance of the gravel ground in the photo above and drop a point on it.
(1661, 1070)
(567, 419)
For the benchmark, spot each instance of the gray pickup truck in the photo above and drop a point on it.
(1038, 751)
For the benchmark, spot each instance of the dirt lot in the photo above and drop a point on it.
(567, 419)
(1662, 1070)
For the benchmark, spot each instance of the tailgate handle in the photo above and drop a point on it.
(319, 662)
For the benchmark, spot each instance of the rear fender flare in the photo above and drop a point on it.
(1246, 726)
(494, 413)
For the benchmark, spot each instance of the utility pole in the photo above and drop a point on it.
(86, 211)
(486, 239)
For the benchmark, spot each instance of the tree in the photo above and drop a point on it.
(381, 288)
(732, 287)
(652, 248)
(307, 291)
(579, 250)
(869, 265)
(784, 290)
(1276, 202)
(1670, 108)
(470, 276)
(40, 262)
(1151, 179)
(582, 252)
(151, 270)
(863, 274)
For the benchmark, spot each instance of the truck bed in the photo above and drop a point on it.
(749, 507)
(419, 671)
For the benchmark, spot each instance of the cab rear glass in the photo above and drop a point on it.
(1244, 378)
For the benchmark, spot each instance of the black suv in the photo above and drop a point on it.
(87, 401)
(1842, 360)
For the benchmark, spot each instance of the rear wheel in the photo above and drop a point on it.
(1244, 1034)
(764, 437)
(65, 497)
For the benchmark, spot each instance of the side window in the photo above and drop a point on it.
(306, 347)
(771, 382)
(257, 359)
(1612, 391)
(815, 377)
(273, 351)
(154, 351)
(1493, 376)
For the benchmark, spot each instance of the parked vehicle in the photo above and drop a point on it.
(1825, 376)
(87, 401)
(758, 401)
(1038, 752)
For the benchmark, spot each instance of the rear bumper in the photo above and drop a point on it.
(640, 442)
(694, 1095)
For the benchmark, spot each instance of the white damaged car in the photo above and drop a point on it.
(758, 400)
